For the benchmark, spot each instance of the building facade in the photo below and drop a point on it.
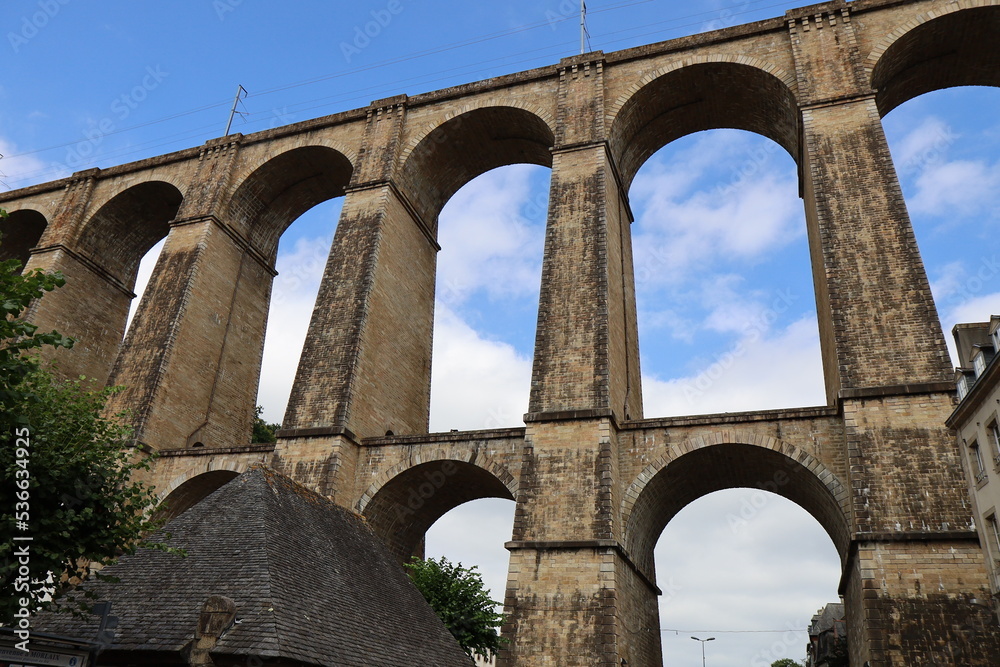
(977, 423)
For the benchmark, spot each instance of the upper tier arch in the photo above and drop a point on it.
(271, 197)
(127, 225)
(468, 144)
(704, 93)
(952, 46)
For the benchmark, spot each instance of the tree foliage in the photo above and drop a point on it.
(460, 599)
(18, 339)
(83, 507)
(66, 470)
(262, 431)
(786, 662)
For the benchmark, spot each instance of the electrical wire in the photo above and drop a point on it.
(674, 24)
(730, 632)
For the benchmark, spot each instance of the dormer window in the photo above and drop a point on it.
(980, 358)
(966, 380)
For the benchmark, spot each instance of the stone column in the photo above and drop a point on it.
(365, 366)
(191, 362)
(586, 350)
(878, 322)
(914, 562)
(570, 582)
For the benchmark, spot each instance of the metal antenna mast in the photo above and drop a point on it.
(583, 26)
(241, 92)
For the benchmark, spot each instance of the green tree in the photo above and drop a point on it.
(786, 662)
(18, 339)
(459, 598)
(262, 431)
(65, 469)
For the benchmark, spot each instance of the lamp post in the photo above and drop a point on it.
(703, 647)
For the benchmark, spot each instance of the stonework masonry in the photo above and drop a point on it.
(595, 480)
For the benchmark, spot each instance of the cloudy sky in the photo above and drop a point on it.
(88, 84)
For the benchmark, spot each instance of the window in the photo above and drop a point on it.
(965, 384)
(976, 458)
(993, 435)
(979, 362)
(994, 535)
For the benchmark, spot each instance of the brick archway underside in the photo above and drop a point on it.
(956, 49)
(705, 470)
(403, 509)
(703, 96)
(123, 230)
(192, 492)
(21, 233)
(468, 145)
(285, 187)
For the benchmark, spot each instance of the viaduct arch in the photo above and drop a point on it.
(594, 480)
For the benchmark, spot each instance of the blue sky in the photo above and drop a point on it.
(721, 256)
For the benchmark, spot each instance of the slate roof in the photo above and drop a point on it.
(310, 580)
(826, 618)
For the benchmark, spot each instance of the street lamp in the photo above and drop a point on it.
(703, 647)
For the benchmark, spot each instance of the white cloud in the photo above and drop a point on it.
(950, 280)
(758, 372)
(960, 187)
(742, 559)
(476, 383)
(474, 534)
(292, 299)
(975, 308)
(145, 272)
(21, 171)
(924, 145)
(486, 242)
(679, 227)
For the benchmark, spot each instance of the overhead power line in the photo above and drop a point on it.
(331, 100)
(731, 632)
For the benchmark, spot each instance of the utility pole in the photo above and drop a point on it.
(241, 92)
(583, 25)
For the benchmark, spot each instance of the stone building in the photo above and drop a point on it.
(275, 575)
(977, 422)
(828, 637)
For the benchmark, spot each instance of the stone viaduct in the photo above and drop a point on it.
(595, 482)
